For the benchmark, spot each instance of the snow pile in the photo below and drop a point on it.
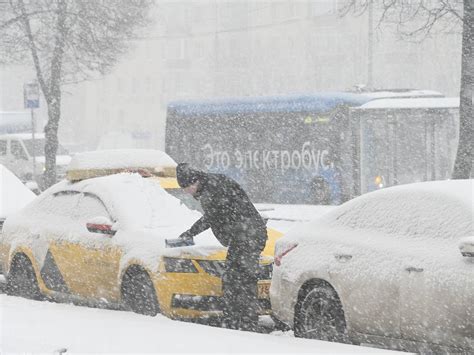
(44, 327)
(121, 159)
(13, 194)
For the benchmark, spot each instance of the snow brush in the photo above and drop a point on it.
(178, 242)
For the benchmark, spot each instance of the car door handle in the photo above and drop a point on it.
(414, 269)
(343, 257)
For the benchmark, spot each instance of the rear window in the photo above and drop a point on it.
(61, 203)
(90, 206)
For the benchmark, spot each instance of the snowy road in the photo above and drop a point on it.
(31, 326)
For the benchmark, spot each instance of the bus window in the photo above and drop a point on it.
(407, 146)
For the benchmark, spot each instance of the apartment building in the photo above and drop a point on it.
(203, 49)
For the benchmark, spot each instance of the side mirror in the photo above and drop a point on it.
(101, 225)
(466, 246)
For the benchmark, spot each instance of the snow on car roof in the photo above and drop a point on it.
(436, 209)
(390, 210)
(106, 162)
(13, 194)
(136, 201)
(443, 102)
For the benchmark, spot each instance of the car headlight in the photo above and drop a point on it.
(213, 267)
(179, 265)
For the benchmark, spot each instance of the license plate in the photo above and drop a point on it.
(263, 290)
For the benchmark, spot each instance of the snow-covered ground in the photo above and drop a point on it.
(32, 326)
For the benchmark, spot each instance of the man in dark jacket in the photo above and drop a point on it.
(237, 225)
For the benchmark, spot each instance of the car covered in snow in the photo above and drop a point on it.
(24, 156)
(14, 195)
(393, 267)
(98, 238)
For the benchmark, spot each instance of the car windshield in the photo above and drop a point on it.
(36, 147)
(186, 199)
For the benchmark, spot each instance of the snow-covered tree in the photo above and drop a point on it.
(67, 41)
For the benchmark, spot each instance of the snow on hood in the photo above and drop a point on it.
(13, 194)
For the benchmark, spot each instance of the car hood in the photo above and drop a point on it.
(218, 252)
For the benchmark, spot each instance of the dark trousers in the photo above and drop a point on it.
(239, 282)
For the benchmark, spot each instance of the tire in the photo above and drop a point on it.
(138, 292)
(319, 315)
(21, 280)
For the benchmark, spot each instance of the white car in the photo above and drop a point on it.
(25, 156)
(394, 267)
(13, 194)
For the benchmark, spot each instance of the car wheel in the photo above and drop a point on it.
(21, 280)
(319, 315)
(138, 292)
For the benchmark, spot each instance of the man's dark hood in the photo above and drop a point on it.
(187, 176)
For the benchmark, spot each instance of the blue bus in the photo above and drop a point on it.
(299, 149)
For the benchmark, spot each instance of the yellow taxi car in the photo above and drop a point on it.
(98, 238)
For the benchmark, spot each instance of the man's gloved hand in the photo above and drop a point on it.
(184, 240)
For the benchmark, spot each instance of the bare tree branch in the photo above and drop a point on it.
(67, 41)
(418, 19)
(34, 50)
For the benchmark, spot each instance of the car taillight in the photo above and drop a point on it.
(283, 253)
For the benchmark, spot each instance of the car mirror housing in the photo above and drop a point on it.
(466, 246)
(101, 225)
